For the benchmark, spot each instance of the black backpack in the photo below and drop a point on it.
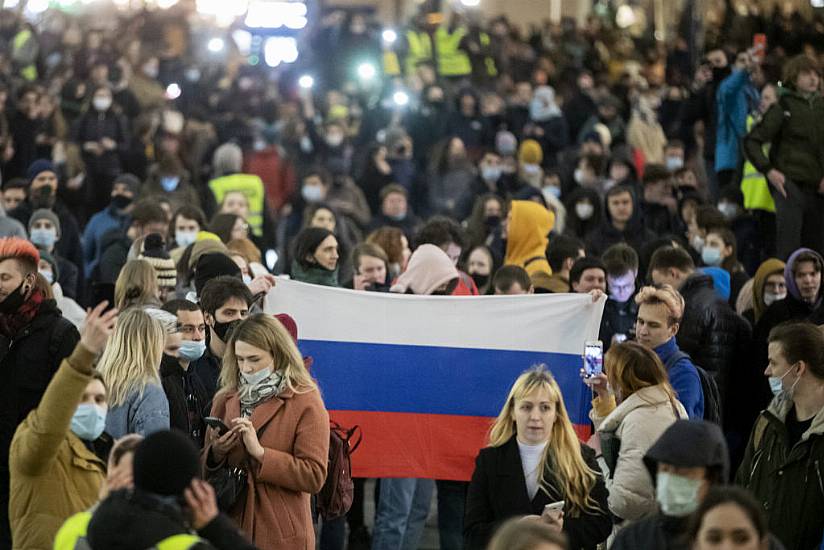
(712, 397)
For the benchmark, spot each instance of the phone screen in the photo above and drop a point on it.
(593, 358)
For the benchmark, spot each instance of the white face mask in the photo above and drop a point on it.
(579, 176)
(185, 238)
(102, 103)
(677, 495)
(770, 298)
(697, 242)
(584, 210)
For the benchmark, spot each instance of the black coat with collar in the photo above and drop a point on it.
(498, 492)
(181, 386)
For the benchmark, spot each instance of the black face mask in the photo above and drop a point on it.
(492, 221)
(121, 201)
(480, 280)
(224, 330)
(14, 300)
(43, 198)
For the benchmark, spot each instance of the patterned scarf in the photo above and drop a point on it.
(11, 324)
(252, 395)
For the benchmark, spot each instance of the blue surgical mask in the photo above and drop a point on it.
(88, 421)
(255, 378)
(247, 279)
(677, 495)
(711, 256)
(169, 183)
(777, 387)
(44, 238)
(191, 350)
(674, 163)
(491, 173)
(312, 193)
(48, 275)
(185, 238)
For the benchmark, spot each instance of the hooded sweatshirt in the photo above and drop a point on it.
(429, 268)
(686, 443)
(606, 235)
(769, 267)
(528, 236)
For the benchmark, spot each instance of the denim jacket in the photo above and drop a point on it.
(141, 413)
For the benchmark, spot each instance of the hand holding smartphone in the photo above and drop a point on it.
(217, 424)
(593, 358)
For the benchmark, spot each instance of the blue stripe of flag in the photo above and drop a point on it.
(434, 380)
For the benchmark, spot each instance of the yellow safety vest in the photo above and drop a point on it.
(452, 61)
(251, 186)
(420, 49)
(754, 185)
(489, 62)
(72, 536)
(29, 72)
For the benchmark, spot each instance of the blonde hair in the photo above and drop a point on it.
(267, 333)
(631, 367)
(563, 451)
(132, 356)
(136, 285)
(666, 295)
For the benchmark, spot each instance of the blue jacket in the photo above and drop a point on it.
(684, 380)
(735, 98)
(102, 222)
(142, 414)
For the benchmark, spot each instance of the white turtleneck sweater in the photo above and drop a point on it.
(530, 457)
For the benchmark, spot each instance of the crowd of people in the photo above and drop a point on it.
(151, 194)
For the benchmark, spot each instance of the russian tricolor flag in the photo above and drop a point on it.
(424, 376)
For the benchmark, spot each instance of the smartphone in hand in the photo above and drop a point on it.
(593, 358)
(217, 424)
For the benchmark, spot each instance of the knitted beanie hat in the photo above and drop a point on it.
(154, 252)
(165, 464)
(46, 214)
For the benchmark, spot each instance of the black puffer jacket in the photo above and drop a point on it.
(129, 520)
(715, 337)
(27, 364)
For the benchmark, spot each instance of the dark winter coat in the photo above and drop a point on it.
(788, 482)
(180, 387)
(714, 336)
(498, 492)
(129, 520)
(94, 126)
(27, 364)
(618, 318)
(606, 235)
(115, 247)
(794, 128)
(69, 246)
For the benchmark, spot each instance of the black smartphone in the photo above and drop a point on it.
(101, 292)
(217, 424)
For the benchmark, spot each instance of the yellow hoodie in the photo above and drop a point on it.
(527, 236)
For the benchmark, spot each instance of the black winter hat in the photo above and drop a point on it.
(214, 265)
(690, 444)
(165, 464)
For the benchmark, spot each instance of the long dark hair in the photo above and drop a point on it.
(307, 242)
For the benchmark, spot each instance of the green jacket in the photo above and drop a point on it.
(53, 474)
(789, 483)
(794, 128)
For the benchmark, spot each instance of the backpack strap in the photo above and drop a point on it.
(674, 358)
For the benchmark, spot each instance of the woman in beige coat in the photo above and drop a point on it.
(279, 432)
(646, 406)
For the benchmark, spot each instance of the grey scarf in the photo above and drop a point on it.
(251, 395)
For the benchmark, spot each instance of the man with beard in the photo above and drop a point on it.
(42, 193)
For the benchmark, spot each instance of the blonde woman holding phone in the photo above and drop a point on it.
(278, 432)
(536, 467)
